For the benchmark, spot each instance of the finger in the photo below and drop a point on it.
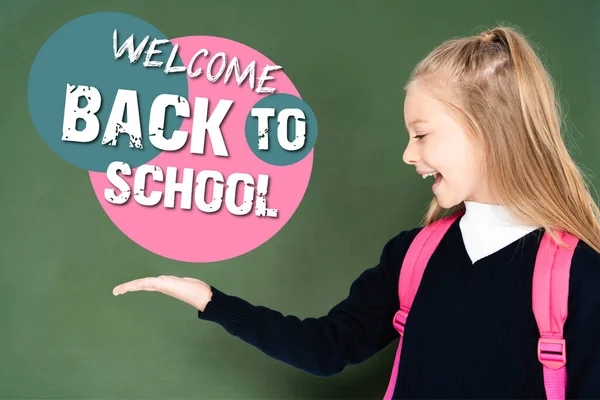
(123, 286)
(192, 279)
(148, 284)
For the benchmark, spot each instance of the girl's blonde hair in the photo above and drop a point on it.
(499, 89)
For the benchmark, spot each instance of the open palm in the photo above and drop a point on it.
(189, 290)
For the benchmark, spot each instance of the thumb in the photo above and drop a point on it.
(192, 279)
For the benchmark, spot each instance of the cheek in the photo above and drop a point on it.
(434, 155)
(460, 157)
(454, 158)
(438, 156)
(466, 171)
(457, 166)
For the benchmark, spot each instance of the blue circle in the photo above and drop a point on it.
(80, 53)
(276, 153)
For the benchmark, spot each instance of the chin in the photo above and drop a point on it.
(443, 204)
(446, 202)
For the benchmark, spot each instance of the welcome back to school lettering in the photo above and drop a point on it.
(210, 136)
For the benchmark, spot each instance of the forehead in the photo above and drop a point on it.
(417, 103)
(420, 107)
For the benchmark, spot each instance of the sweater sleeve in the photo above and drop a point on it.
(582, 327)
(352, 331)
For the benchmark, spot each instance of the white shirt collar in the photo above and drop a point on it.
(487, 228)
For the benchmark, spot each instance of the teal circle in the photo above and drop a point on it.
(81, 53)
(276, 154)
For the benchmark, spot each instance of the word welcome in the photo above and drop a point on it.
(134, 54)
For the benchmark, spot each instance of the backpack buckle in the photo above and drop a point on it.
(552, 352)
(400, 321)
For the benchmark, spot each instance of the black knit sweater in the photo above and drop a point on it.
(471, 332)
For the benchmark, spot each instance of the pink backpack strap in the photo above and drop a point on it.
(413, 266)
(550, 304)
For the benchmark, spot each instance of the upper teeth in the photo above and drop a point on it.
(430, 174)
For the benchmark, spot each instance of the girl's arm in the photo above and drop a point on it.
(352, 331)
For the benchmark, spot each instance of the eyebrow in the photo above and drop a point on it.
(416, 121)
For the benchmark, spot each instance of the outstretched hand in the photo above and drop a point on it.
(189, 290)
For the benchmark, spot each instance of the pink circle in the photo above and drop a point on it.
(196, 236)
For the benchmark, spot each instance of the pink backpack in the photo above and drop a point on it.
(550, 299)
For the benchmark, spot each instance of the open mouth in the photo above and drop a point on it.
(436, 176)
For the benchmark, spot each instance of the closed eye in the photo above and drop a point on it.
(418, 137)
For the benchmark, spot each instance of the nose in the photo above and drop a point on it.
(411, 155)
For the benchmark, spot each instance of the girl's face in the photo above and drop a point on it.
(438, 143)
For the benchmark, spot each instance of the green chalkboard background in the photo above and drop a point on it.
(63, 334)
